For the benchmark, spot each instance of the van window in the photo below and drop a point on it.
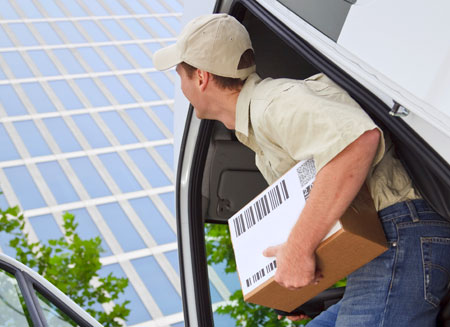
(326, 16)
(13, 310)
(53, 315)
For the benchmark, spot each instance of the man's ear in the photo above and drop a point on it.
(203, 78)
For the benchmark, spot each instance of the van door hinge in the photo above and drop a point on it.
(398, 110)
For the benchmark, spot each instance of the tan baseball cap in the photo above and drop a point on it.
(214, 43)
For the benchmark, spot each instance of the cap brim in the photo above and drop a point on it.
(166, 58)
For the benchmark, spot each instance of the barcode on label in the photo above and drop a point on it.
(278, 194)
(306, 172)
(257, 276)
(261, 208)
(306, 191)
(271, 266)
(261, 273)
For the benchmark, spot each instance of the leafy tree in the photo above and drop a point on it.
(71, 264)
(219, 249)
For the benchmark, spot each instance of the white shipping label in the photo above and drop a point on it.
(266, 221)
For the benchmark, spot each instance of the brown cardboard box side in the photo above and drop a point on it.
(360, 240)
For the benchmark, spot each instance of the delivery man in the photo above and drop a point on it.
(285, 121)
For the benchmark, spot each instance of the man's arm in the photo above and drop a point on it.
(335, 187)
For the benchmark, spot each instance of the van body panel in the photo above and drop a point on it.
(398, 64)
(287, 45)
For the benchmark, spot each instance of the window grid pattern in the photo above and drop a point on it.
(61, 46)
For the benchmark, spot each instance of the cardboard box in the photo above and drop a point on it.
(267, 220)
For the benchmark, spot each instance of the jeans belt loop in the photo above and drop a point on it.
(412, 211)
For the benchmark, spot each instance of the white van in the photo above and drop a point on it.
(392, 57)
(29, 300)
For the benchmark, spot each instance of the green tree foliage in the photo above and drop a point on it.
(71, 264)
(219, 249)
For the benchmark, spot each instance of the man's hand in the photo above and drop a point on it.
(335, 187)
(294, 268)
(294, 318)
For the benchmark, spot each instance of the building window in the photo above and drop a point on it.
(32, 138)
(47, 33)
(89, 177)
(8, 151)
(38, 97)
(52, 9)
(169, 201)
(91, 131)
(58, 182)
(139, 313)
(93, 59)
(116, 57)
(163, 83)
(166, 152)
(118, 90)
(74, 8)
(70, 63)
(45, 228)
(4, 39)
(117, 124)
(24, 187)
(161, 232)
(43, 63)
(137, 7)
(23, 34)
(120, 172)
(87, 229)
(65, 94)
(165, 114)
(95, 8)
(149, 168)
(92, 92)
(145, 124)
(92, 29)
(11, 102)
(71, 33)
(158, 8)
(141, 58)
(8, 12)
(157, 28)
(17, 65)
(62, 134)
(176, 6)
(28, 8)
(159, 285)
(137, 29)
(174, 23)
(115, 30)
(121, 226)
(142, 87)
(116, 8)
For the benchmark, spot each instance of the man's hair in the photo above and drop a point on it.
(247, 60)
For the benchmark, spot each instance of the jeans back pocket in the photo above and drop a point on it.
(436, 266)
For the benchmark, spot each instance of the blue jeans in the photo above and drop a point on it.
(404, 285)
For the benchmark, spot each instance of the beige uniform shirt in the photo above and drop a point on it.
(285, 121)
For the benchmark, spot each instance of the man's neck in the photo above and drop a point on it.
(224, 103)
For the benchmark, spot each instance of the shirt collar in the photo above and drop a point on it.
(243, 104)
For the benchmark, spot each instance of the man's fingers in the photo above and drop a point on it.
(317, 278)
(294, 318)
(297, 318)
(298, 283)
(271, 251)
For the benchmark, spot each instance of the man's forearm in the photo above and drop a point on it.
(335, 187)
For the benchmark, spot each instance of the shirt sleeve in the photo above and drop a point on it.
(319, 124)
